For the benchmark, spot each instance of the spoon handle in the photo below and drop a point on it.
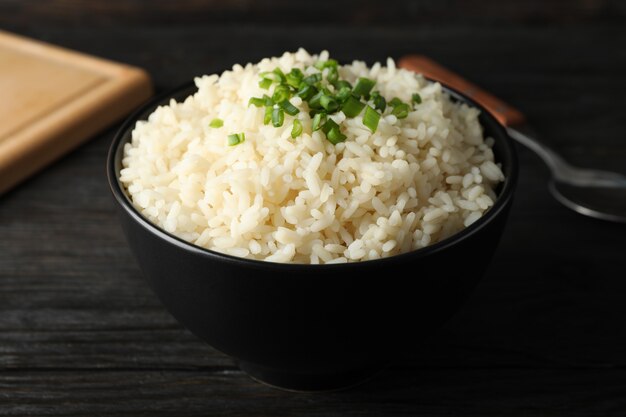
(504, 113)
(510, 117)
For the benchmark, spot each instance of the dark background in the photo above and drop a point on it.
(543, 335)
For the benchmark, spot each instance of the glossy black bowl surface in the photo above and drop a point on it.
(313, 327)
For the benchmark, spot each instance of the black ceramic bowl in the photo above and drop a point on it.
(313, 327)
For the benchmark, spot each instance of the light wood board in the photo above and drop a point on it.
(53, 99)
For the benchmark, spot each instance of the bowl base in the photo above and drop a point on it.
(309, 382)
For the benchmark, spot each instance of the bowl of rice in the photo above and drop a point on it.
(312, 219)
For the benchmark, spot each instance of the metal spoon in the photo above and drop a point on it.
(594, 193)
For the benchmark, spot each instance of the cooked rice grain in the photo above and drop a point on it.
(412, 183)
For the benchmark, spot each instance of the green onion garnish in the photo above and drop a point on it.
(371, 119)
(342, 84)
(352, 107)
(401, 111)
(307, 92)
(256, 101)
(281, 93)
(236, 139)
(331, 63)
(267, 118)
(318, 121)
(278, 117)
(333, 134)
(296, 130)
(395, 101)
(328, 103)
(379, 101)
(315, 101)
(268, 100)
(216, 123)
(271, 75)
(324, 93)
(319, 65)
(280, 74)
(294, 78)
(343, 94)
(363, 87)
(312, 79)
(265, 83)
(332, 76)
(417, 99)
(330, 124)
(289, 108)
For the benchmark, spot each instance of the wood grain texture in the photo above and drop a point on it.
(54, 99)
(34, 87)
(81, 334)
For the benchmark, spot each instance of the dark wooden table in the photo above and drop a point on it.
(543, 335)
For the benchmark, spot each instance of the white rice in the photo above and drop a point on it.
(412, 183)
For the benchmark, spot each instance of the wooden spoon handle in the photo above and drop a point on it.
(504, 113)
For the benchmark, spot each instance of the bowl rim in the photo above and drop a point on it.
(497, 131)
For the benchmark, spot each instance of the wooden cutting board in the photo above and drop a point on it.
(52, 99)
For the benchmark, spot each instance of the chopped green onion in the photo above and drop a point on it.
(289, 108)
(216, 123)
(236, 139)
(352, 107)
(395, 101)
(312, 79)
(363, 87)
(270, 75)
(280, 74)
(265, 83)
(333, 134)
(401, 111)
(417, 99)
(343, 94)
(379, 101)
(256, 101)
(342, 84)
(331, 63)
(324, 93)
(278, 117)
(318, 121)
(268, 100)
(328, 103)
(296, 130)
(332, 76)
(294, 78)
(267, 118)
(330, 124)
(281, 93)
(371, 119)
(275, 76)
(315, 101)
(307, 92)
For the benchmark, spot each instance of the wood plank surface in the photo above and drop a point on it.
(54, 99)
(34, 87)
(293, 13)
(81, 334)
